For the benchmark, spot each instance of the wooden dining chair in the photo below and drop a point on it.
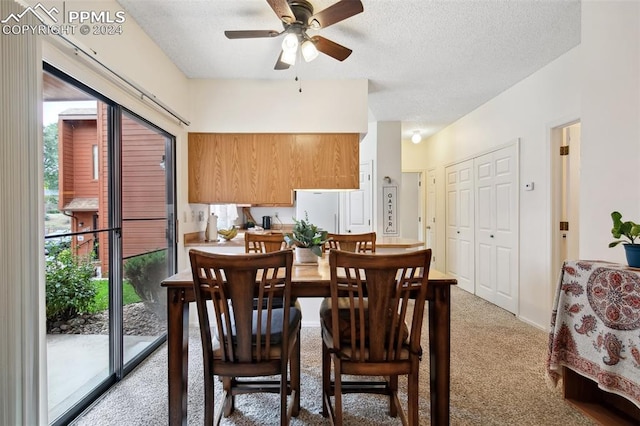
(375, 329)
(263, 243)
(359, 243)
(267, 243)
(248, 340)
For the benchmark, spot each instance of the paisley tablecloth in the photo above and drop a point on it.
(595, 326)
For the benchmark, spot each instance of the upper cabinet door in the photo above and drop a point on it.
(265, 168)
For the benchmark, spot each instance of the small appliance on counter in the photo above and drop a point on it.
(266, 222)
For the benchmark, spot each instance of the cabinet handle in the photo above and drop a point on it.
(457, 232)
(491, 235)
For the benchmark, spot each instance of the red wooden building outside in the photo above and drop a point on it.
(84, 183)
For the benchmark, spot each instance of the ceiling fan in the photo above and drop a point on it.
(297, 17)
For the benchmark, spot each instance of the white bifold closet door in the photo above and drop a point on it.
(496, 235)
(460, 224)
(482, 226)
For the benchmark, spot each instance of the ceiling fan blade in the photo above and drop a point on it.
(335, 13)
(251, 34)
(331, 48)
(280, 64)
(283, 10)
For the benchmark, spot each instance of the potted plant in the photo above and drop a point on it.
(308, 240)
(630, 231)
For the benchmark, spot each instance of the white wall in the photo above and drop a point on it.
(610, 147)
(388, 163)
(276, 106)
(526, 111)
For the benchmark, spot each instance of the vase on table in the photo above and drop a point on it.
(305, 255)
(633, 254)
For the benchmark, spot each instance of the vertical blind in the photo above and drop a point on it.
(22, 355)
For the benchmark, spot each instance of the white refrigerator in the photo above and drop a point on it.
(322, 208)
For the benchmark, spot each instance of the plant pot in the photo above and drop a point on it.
(633, 254)
(305, 255)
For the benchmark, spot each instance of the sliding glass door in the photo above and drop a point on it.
(147, 217)
(109, 239)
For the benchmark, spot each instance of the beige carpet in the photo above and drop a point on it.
(497, 378)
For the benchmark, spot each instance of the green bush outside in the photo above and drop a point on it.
(70, 289)
(145, 273)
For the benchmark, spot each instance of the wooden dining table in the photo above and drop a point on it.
(308, 281)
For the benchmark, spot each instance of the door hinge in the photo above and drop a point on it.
(564, 226)
(564, 150)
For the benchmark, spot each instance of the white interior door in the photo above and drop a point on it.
(569, 239)
(357, 206)
(496, 180)
(565, 189)
(460, 224)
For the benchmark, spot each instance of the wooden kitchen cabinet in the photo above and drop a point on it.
(326, 161)
(265, 168)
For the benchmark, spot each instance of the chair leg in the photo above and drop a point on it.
(228, 404)
(284, 412)
(393, 386)
(412, 395)
(295, 377)
(209, 401)
(326, 379)
(337, 390)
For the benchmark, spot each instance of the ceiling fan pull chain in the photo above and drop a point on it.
(299, 80)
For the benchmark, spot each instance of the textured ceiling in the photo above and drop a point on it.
(428, 62)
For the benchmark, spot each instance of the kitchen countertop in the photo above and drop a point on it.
(397, 242)
(196, 239)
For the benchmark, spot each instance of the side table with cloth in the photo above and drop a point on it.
(595, 327)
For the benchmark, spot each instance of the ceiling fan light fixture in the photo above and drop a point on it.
(290, 43)
(309, 50)
(416, 138)
(289, 57)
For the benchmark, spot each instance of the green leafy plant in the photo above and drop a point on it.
(307, 235)
(628, 230)
(70, 289)
(145, 273)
